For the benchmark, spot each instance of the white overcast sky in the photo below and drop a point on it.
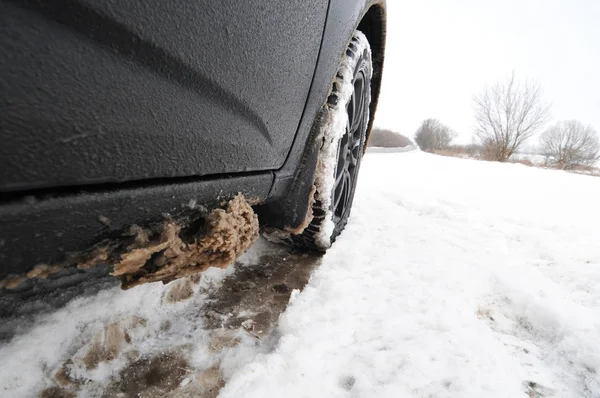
(441, 52)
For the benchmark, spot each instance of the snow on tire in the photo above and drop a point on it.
(338, 124)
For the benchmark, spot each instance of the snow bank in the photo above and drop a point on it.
(454, 278)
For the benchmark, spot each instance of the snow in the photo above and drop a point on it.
(453, 278)
(534, 158)
(332, 130)
(540, 160)
(36, 356)
(407, 148)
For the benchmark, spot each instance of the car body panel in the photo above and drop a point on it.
(110, 91)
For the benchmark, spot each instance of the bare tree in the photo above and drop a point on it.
(570, 143)
(507, 114)
(433, 135)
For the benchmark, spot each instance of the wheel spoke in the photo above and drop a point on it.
(339, 194)
(348, 128)
(358, 109)
(359, 112)
(353, 159)
(359, 127)
(347, 187)
(339, 177)
(350, 148)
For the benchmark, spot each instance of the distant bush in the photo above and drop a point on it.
(481, 152)
(476, 151)
(388, 139)
(433, 135)
(523, 161)
(586, 170)
(472, 151)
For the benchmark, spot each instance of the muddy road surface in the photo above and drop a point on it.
(91, 339)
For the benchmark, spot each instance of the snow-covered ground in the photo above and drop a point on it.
(454, 278)
(535, 158)
(541, 160)
(407, 148)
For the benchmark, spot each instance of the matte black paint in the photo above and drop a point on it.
(111, 90)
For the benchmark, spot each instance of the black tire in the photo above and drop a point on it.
(340, 155)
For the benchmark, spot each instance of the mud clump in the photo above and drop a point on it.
(224, 235)
(167, 250)
(41, 271)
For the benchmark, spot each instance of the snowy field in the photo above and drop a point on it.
(535, 158)
(541, 160)
(454, 278)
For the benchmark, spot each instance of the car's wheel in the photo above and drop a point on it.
(343, 134)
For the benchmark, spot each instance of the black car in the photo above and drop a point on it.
(153, 135)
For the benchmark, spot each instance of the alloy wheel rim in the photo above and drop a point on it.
(349, 152)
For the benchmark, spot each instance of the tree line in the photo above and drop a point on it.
(507, 115)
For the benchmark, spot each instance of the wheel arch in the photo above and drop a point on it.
(373, 25)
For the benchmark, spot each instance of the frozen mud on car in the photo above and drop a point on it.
(173, 248)
(181, 339)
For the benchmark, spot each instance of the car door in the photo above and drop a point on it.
(97, 91)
